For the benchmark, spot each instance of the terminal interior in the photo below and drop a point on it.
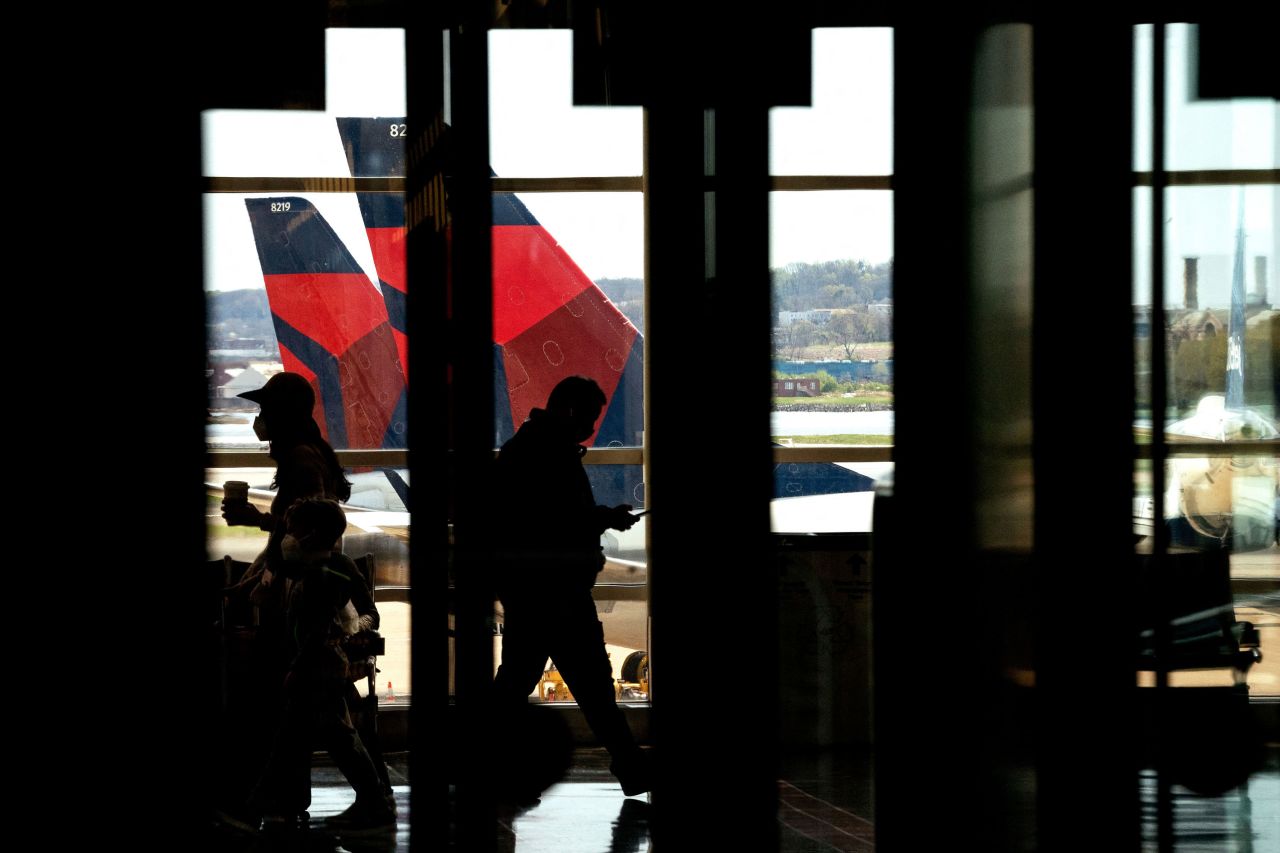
(983, 646)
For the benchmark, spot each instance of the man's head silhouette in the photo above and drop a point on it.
(578, 401)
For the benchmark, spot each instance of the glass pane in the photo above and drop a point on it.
(568, 279)
(535, 130)
(831, 252)
(832, 265)
(1237, 133)
(1219, 291)
(552, 319)
(313, 283)
(1221, 504)
(305, 283)
(848, 129)
(364, 77)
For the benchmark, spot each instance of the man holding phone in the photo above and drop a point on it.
(546, 558)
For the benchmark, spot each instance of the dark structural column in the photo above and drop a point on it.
(929, 766)
(470, 412)
(707, 84)
(435, 418)
(1084, 672)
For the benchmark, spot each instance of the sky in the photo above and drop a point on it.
(531, 82)
(537, 132)
(1202, 222)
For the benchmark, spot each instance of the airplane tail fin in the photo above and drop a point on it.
(375, 149)
(550, 320)
(1235, 323)
(331, 323)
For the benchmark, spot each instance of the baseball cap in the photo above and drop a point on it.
(285, 392)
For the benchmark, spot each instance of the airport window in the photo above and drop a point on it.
(831, 254)
(578, 179)
(304, 272)
(568, 279)
(1205, 252)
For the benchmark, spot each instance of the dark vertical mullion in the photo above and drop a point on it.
(1159, 404)
(426, 306)
(471, 411)
(679, 555)
(1085, 574)
(740, 297)
(1159, 340)
(923, 538)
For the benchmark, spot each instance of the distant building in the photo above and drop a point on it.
(225, 386)
(1196, 325)
(816, 316)
(795, 387)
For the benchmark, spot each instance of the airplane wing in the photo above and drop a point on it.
(393, 523)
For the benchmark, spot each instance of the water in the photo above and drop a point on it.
(832, 423)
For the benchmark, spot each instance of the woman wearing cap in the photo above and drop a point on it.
(306, 467)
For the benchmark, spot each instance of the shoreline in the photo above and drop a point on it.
(837, 407)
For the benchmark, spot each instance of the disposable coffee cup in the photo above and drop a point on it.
(235, 492)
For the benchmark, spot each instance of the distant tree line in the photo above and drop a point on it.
(831, 284)
(628, 295)
(238, 314)
(851, 285)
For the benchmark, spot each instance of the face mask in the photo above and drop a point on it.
(290, 547)
(260, 428)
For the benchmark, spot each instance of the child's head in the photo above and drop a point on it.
(315, 523)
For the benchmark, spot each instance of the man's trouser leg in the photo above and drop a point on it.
(580, 655)
(531, 745)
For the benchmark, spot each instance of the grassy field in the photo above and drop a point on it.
(878, 351)
(837, 402)
(848, 438)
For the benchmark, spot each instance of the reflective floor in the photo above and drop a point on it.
(330, 795)
(824, 805)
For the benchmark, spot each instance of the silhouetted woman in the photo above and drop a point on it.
(306, 467)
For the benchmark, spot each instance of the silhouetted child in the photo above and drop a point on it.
(326, 598)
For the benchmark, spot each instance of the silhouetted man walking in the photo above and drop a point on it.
(547, 559)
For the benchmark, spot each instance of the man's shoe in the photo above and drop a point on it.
(241, 820)
(359, 817)
(519, 800)
(346, 815)
(635, 774)
(632, 786)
